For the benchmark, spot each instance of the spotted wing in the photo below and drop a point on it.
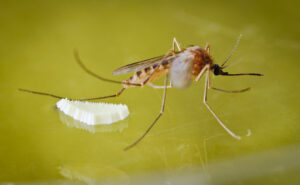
(181, 71)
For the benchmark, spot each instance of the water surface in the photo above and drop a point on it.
(37, 42)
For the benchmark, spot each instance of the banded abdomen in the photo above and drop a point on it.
(149, 74)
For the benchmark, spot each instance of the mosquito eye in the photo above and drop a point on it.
(217, 70)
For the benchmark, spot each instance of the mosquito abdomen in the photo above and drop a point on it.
(148, 74)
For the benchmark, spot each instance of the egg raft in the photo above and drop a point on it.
(93, 113)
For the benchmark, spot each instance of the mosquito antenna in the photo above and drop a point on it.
(79, 61)
(233, 50)
(232, 63)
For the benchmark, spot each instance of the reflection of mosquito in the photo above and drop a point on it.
(183, 65)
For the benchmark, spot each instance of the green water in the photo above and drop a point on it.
(187, 145)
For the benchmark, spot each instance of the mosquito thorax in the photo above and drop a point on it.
(201, 59)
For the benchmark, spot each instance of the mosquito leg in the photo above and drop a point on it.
(207, 48)
(201, 73)
(224, 90)
(41, 93)
(177, 44)
(78, 60)
(156, 119)
(159, 86)
(172, 51)
(83, 99)
(230, 91)
(103, 97)
(212, 112)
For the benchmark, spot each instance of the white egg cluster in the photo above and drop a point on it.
(93, 113)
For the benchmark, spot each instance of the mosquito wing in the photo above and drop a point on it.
(181, 71)
(137, 66)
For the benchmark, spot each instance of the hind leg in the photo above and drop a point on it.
(81, 99)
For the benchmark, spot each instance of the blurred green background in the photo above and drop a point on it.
(187, 146)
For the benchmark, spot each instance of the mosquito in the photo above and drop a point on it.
(181, 65)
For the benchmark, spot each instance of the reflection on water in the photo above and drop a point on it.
(93, 174)
(247, 169)
(74, 175)
(72, 123)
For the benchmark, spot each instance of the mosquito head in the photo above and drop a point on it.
(218, 70)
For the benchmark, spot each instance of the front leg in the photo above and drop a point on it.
(224, 90)
(230, 91)
(201, 73)
(212, 112)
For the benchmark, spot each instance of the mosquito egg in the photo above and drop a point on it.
(93, 113)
